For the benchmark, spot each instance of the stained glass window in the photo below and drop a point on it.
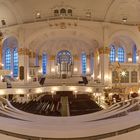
(121, 55)
(64, 56)
(134, 54)
(15, 62)
(44, 63)
(84, 65)
(112, 54)
(7, 59)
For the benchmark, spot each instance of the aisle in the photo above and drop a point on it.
(65, 106)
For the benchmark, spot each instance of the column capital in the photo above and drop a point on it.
(129, 55)
(104, 50)
(76, 57)
(23, 51)
(52, 57)
(40, 57)
(32, 54)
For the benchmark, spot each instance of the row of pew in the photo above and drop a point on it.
(49, 105)
(83, 104)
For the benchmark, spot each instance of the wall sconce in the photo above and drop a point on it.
(137, 58)
(40, 71)
(1, 64)
(88, 69)
(75, 69)
(129, 59)
(37, 15)
(52, 70)
(124, 19)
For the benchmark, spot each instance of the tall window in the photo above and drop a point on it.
(63, 12)
(15, 62)
(7, 59)
(134, 54)
(121, 55)
(69, 12)
(56, 12)
(84, 65)
(44, 63)
(10, 55)
(112, 54)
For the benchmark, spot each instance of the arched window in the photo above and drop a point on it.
(10, 55)
(7, 59)
(44, 63)
(134, 54)
(56, 12)
(64, 56)
(84, 63)
(112, 54)
(63, 12)
(69, 12)
(121, 55)
(15, 62)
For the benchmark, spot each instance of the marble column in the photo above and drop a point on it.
(76, 65)
(24, 64)
(138, 62)
(1, 38)
(104, 63)
(32, 56)
(88, 64)
(52, 65)
(91, 63)
(40, 63)
(96, 65)
(129, 58)
(138, 56)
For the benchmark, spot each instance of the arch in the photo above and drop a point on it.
(81, 32)
(56, 12)
(127, 33)
(12, 38)
(69, 11)
(127, 40)
(63, 11)
(64, 56)
(8, 4)
(10, 55)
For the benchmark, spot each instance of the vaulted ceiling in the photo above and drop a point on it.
(23, 11)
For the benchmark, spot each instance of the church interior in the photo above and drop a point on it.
(69, 69)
